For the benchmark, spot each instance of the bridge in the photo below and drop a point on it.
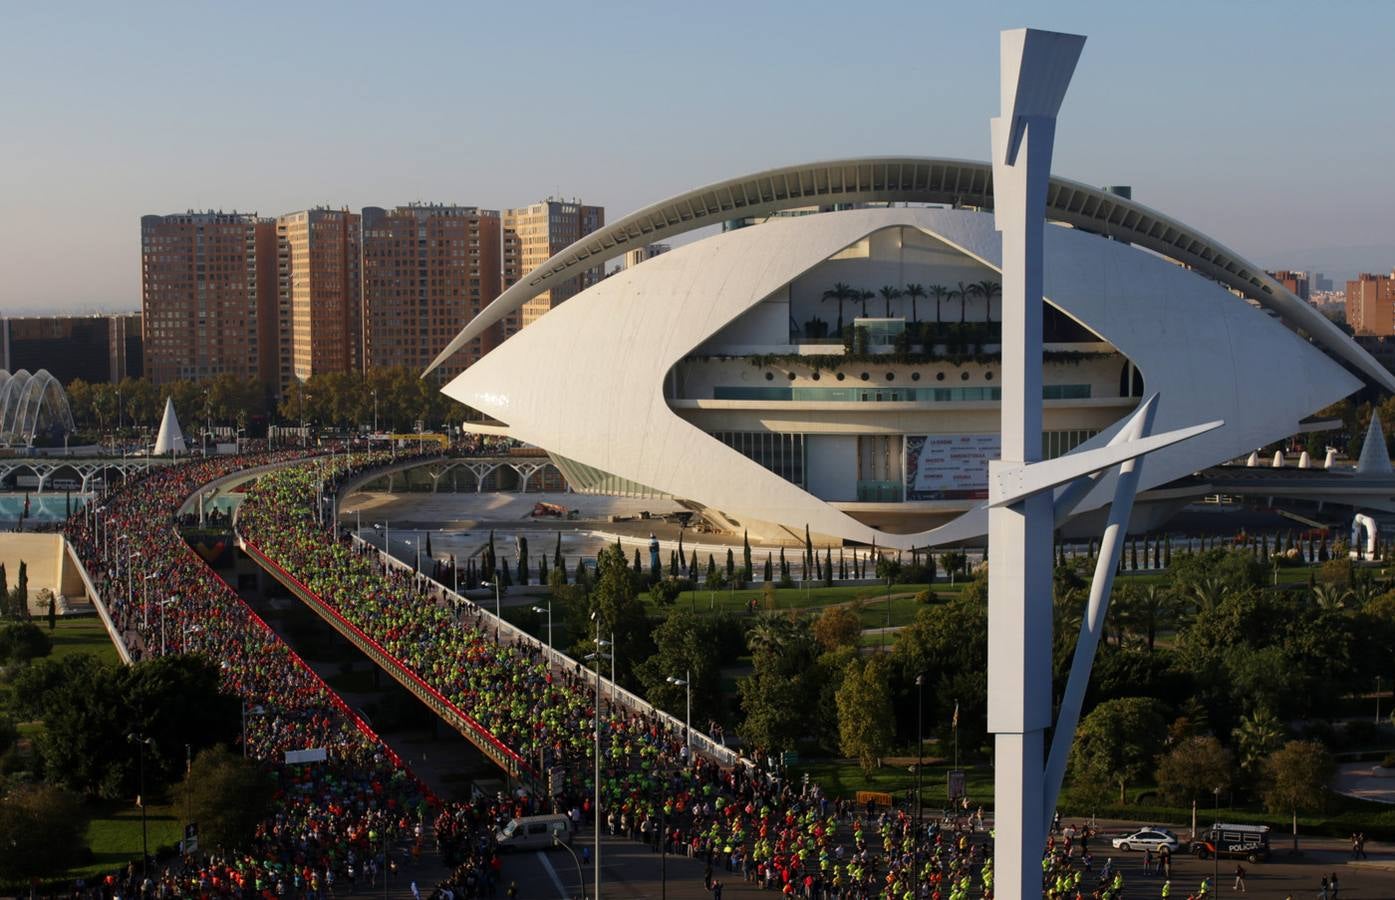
(87, 470)
(480, 469)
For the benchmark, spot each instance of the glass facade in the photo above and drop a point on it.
(782, 454)
(890, 395)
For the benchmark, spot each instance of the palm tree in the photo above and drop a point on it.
(962, 294)
(1259, 734)
(1208, 593)
(889, 293)
(988, 289)
(839, 292)
(914, 291)
(939, 292)
(864, 296)
(768, 634)
(1331, 596)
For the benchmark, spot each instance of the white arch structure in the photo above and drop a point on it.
(912, 179)
(27, 400)
(610, 348)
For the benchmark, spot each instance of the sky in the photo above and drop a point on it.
(1267, 125)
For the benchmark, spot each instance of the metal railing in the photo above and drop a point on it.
(507, 631)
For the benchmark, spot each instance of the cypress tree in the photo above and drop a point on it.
(523, 570)
(711, 569)
(769, 568)
(842, 566)
(784, 565)
(52, 613)
(693, 567)
(4, 585)
(557, 556)
(428, 545)
(828, 567)
(581, 574)
(673, 563)
(505, 580)
(1167, 551)
(542, 568)
(746, 555)
(808, 549)
(1133, 554)
(731, 565)
(639, 565)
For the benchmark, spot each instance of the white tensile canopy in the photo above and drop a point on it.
(170, 437)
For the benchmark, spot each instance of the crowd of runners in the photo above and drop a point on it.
(335, 820)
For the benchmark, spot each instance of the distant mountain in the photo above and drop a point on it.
(1337, 263)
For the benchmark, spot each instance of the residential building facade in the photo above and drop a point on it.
(533, 234)
(320, 290)
(427, 270)
(98, 348)
(206, 288)
(1370, 302)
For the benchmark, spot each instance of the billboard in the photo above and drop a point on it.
(949, 466)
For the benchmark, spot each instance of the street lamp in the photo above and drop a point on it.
(539, 610)
(596, 782)
(145, 600)
(163, 604)
(497, 613)
(686, 683)
(254, 711)
(141, 742)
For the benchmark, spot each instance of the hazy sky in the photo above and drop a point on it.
(1267, 124)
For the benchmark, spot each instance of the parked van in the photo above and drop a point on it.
(1248, 841)
(533, 832)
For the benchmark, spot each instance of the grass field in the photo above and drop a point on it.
(114, 834)
(844, 778)
(84, 634)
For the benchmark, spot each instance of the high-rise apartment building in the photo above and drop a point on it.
(1371, 304)
(1297, 282)
(207, 288)
(534, 233)
(640, 254)
(427, 270)
(101, 348)
(320, 291)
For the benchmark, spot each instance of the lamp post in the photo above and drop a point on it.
(498, 614)
(596, 776)
(163, 604)
(141, 742)
(254, 711)
(145, 600)
(580, 878)
(686, 683)
(919, 766)
(130, 574)
(539, 610)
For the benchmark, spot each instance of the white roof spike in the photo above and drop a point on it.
(170, 437)
(1253, 459)
(1375, 458)
(1278, 459)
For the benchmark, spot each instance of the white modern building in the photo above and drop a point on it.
(840, 370)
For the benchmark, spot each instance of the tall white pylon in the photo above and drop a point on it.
(170, 438)
(1023, 498)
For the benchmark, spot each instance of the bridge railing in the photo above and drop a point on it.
(500, 753)
(702, 743)
(97, 603)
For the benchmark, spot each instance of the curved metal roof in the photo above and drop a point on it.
(920, 180)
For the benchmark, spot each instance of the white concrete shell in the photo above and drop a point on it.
(30, 404)
(586, 380)
(914, 179)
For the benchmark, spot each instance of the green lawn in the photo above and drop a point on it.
(84, 634)
(844, 778)
(114, 834)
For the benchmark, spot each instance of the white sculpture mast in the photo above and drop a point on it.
(1036, 68)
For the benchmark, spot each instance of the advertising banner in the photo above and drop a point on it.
(949, 466)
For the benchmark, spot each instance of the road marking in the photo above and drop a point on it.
(552, 873)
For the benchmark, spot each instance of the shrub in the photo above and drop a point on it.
(23, 641)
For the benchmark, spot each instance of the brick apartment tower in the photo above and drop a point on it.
(208, 290)
(1371, 304)
(534, 233)
(428, 270)
(320, 293)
